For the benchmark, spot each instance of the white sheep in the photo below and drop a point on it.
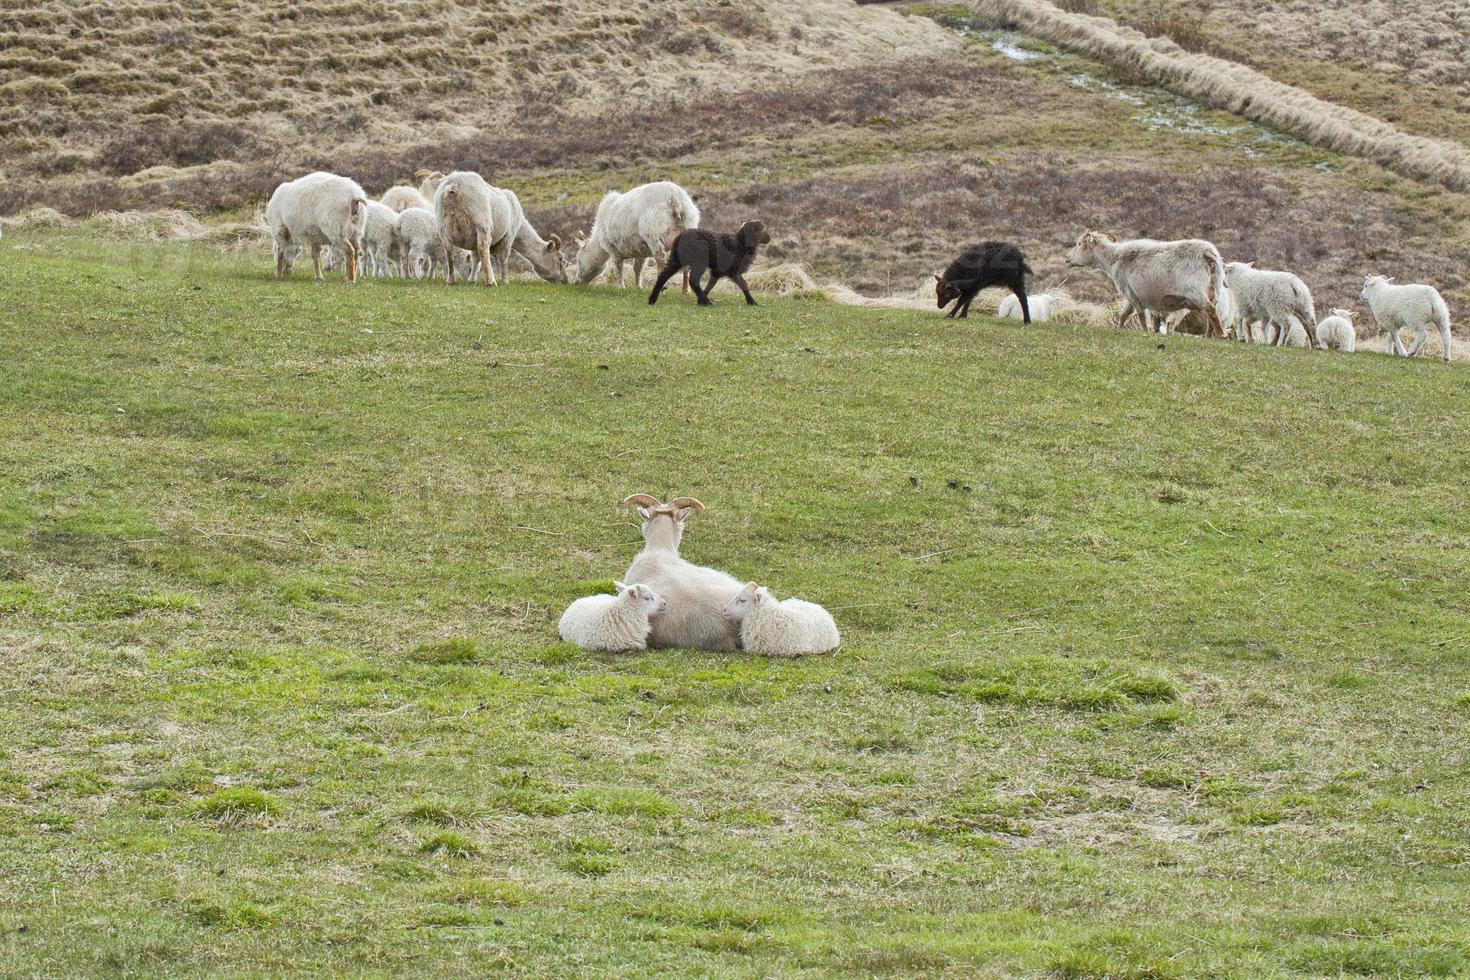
(1157, 277)
(1279, 300)
(1337, 331)
(490, 222)
(380, 238)
(1043, 307)
(612, 623)
(696, 595)
(317, 211)
(638, 225)
(1416, 307)
(401, 197)
(789, 628)
(430, 181)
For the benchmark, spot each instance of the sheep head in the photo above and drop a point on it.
(676, 510)
(754, 233)
(742, 602)
(1088, 243)
(1345, 314)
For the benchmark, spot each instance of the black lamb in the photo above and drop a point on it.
(725, 256)
(979, 267)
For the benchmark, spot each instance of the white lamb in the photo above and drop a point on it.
(638, 225)
(380, 238)
(789, 628)
(317, 211)
(402, 197)
(1043, 307)
(1416, 307)
(431, 179)
(612, 623)
(1337, 331)
(1278, 300)
(696, 595)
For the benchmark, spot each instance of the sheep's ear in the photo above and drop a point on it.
(644, 513)
(938, 277)
(580, 237)
(620, 586)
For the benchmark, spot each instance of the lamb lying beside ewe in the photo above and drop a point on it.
(612, 623)
(789, 628)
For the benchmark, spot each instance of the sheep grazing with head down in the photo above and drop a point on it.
(696, 595)
(1337, 332)
(980, 267)
(725, 256)
(789, 628)
(638, 225)
(490, 222)
(318, 211)
(612, 623)
(1416, 307)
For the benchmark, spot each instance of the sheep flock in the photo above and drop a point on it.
(461, 226)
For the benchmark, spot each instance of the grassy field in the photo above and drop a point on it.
(1154, 664)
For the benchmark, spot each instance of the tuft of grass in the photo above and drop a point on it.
(447, 652)
(238, 806)
(450, 843)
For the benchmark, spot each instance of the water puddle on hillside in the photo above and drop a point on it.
(1158, 109)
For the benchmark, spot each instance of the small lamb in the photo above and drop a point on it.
(612, 623)
(1338, 331)
(1043, 307)
(1417, 307)
(789, 628)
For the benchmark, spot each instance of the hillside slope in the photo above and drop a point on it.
(1149, 671)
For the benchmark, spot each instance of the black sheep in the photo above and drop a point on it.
(980, 267)
(725, 256)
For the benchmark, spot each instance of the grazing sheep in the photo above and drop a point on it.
(475, 216)
(980, 267)
(379, 238)
(725, 256)
(1337, 331)
(1157, 277)
(544, 254)
(402, 197)
(1042, 308)
(1279, 300)
(638, 225)
(696, 595)
(789, 628)
(612, 623)
(420, 252)
(317, 211)
(1416, 307)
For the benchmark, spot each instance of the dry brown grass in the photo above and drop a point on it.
(90, 89)
(1239, 89)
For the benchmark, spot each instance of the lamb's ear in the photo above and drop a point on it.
(621, 587)
(938, 277)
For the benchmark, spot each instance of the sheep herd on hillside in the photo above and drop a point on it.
(464, 226)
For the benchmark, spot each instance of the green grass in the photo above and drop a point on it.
(1153, 663)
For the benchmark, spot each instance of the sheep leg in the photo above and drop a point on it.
(1020, 292)
(637, 273)
(964, 306)
(1213, 326)
(675, 263)
(1444, 340)
(316, 261)
(280, 262)
(1421, 333)
(739, 280)
(486, 268)
(448, 265)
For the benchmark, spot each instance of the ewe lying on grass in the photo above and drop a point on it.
(696, 595)
(612, 623)
(789, 628)
(1416, 307)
